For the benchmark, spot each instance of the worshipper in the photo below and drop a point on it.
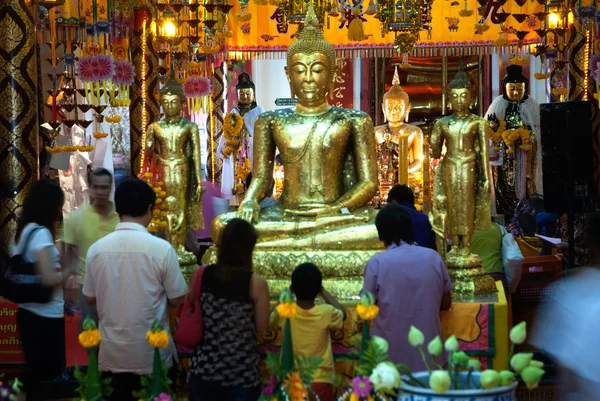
(566, 328)
(501, 256)
(235, 309)
(42, 326)
(410, 285)
(423, 234)
(131, 276)
(86, 225)
(311, 325)
(265, 202)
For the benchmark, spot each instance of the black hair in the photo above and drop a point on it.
(236, 247)
(401, 194)
(394, 224)
(133, 197)
(43, 205)
(248, 180)
(100, 172)
(307, 281)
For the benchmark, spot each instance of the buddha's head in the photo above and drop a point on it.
(514, 84)
(460, 92)
(172, 98)
(395, 103)
(245, 91)
(311, 64)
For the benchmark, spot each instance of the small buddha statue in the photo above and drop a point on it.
(517, 171)
(330, 161)
(176, 144)
(249, 110)
(396, 137)
(462, 182)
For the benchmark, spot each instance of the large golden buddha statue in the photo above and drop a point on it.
(397, 137)
(330, 162)
(461, 186)
(176, 144)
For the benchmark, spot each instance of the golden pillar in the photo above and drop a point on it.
(144, 108)
(18, 113)
(215, 129)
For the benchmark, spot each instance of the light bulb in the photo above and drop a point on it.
(170, 29)
(552, 20)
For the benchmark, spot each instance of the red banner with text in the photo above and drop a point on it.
(10, 341)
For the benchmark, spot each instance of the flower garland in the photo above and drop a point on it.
(510, 136)
(69, 149)
(232, 130)
(100, 135)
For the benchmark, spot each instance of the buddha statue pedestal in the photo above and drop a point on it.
(342, 270)
(469, 278)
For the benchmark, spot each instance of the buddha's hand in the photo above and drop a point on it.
(250, 211)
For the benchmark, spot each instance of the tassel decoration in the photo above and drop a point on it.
(372, 9)
(356, 31)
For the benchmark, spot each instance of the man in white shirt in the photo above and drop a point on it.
(131, 276)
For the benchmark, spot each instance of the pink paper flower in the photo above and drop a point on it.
(197, 87)
(124, 73)
(595, 67)
(270, 389)
(163, 397)
(105, 66)
(361, 386)
(86, 69)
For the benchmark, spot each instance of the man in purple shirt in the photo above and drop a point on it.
(410, 284)
(404, 196)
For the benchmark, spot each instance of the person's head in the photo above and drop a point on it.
(306, 282)
(100, 185)
(42, 205)
(236, 246)
(134, 201)
(394, 225)
(400, 194)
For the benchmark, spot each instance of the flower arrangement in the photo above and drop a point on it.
(235, 144)
(91, 386)
(440, 380)
(376, 376)
(156, 387)
(121, 81)
(509, 136)
(10, 390)
(113, 119)
(159, 214)
(541, 76)
(290, 377)
(100, 135)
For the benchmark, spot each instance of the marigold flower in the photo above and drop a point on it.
(158, 339)
(295, 387)
(287, 310)
(89, 338)
(367, 312)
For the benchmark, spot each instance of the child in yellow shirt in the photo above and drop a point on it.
(311, 326)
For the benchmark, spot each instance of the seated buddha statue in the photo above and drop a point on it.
(396, 139)
(330, 161)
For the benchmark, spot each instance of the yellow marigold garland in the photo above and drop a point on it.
(232, 133)
(510, 136)
(100, 135)
(295, 388)
(89, 338)
(69, 148)
(541, 76)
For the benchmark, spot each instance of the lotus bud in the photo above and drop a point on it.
(520, 361)
(367, 299)
(490, 379)
(415, 337)
(518, 334)
(536, 364)
(451, 344)
(506, 377)
(439, 381)
(474, 364)
(285, 297)
(380, 345)
(460, 359)
(532, 376)
(435, 346)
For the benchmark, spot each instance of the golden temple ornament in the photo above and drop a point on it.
(295, 11)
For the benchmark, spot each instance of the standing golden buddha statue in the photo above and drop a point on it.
(176, 144)
(461, 185)
(396, 139)
(330, 161)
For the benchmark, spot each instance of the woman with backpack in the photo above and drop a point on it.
(41, 324)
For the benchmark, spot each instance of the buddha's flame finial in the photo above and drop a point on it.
(311, 17)
(396, 80)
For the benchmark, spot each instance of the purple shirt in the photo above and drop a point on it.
(408, 282)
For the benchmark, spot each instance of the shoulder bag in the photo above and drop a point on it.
(189, 327)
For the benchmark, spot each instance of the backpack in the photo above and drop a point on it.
(21, 283)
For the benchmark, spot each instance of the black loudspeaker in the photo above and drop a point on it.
(567, 157)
